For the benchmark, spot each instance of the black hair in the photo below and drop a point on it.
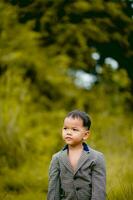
(82, 115)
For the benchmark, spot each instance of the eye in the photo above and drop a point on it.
(64, 128)
(75, 129)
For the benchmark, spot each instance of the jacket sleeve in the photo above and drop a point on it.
(54, 180)
(99, 179)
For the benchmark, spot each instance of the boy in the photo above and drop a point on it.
(77, 172)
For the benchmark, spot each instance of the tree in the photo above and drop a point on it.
(79, 28)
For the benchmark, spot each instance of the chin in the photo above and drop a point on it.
(68, 142)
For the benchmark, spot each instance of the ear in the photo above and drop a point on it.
(86, 135)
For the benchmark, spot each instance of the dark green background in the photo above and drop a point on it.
(43, 44)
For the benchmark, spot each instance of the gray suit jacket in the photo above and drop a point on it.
(87, 182)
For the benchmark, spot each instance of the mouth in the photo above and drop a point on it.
(68, 138)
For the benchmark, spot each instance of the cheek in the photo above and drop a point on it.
(62, 134)
(77, 137)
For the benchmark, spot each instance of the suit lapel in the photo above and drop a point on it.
(84, 156)
(65, 160)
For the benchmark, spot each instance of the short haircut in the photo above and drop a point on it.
(82, 115)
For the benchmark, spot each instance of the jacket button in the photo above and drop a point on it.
(74, 177)
(77, 188)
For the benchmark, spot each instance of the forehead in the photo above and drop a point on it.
(74, 122)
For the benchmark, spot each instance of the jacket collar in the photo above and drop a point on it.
(85, 147)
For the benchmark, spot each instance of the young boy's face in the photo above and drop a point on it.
(73, 131)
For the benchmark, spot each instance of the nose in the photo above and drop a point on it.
(69, 132)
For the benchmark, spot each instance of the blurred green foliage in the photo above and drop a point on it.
(41, 42)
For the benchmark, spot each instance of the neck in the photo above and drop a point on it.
(75, 148)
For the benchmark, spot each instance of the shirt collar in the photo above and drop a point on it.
(85, 147)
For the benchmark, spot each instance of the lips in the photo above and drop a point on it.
(68, 138)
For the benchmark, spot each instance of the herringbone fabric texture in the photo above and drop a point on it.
(87, 182)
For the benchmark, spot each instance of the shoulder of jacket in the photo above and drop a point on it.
(96, 154)
(57, 154)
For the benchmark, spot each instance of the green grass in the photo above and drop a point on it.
(124, 192)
